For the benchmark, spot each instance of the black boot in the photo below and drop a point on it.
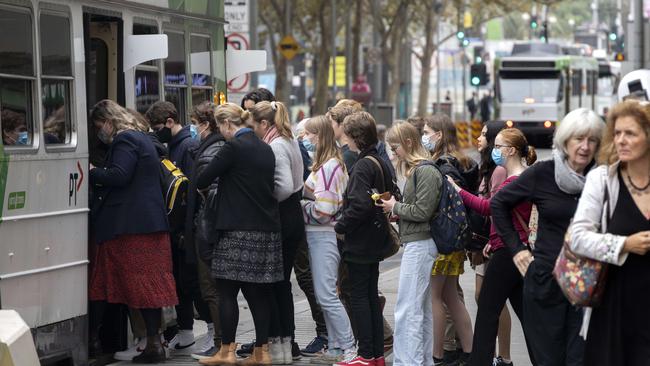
(153, 353)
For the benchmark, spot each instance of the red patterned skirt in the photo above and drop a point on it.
(135, 270)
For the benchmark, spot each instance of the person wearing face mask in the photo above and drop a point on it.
(248, 256)
(164, 120)
(14, 128)
(502, 280)
(554, 186)
(132, 265)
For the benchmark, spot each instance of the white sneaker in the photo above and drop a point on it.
(182, 341)
(349, 354)
(286, 350)
(275, 351)
(128, 354)
(332, 355)
(204, 343)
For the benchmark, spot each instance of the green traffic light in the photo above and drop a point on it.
(479, 59)
(612, 36)
(460, 34)
(533, 25)
(465, 42)
(476, 81)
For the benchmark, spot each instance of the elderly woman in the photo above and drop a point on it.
(550, 322)
(619, 329)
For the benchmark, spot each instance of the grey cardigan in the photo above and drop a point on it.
(288, 167)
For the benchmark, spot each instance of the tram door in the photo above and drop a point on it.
(103, 48)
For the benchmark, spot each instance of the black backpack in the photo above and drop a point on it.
(449, 225)
(174, 186)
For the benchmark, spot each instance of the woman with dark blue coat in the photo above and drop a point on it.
(133, 264)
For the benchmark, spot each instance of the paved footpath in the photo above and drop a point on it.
(388, 283)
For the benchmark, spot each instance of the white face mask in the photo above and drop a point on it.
(427, 143)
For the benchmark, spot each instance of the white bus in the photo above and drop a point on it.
(57, 59)
(533, 93)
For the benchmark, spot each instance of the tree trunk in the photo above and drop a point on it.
(322, 60)
(392, 55)
(356, 39)
(427, 53)
(282, 88)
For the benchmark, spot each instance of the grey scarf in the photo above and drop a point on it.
(566, 178)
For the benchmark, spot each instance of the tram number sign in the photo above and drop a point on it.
(17, 200)
(74, 184)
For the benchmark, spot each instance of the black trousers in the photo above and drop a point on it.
(366, 312)
(306, 284)
(293, 232)
(502, 282)
(188, 289)
(257, 295)
(551, 323)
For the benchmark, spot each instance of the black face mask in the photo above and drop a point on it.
(164, 135)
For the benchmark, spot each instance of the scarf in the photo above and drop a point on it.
(271, 135)
(566, 178)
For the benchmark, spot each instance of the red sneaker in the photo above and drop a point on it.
(357, 361)
(380, 361)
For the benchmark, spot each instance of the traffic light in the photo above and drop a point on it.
(613, 36)
(460, 35)
(478, 75)
(478, 54)
(462, 40)
(533, 22)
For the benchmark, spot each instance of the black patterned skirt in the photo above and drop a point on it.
(248, 256)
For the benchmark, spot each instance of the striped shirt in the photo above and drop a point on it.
(323, 196)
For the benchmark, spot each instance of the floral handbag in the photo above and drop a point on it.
(581, 279)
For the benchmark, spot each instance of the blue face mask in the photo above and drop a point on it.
(497, 157)
(427, 143)
(308, 145)
(194, 132)
(23, 138)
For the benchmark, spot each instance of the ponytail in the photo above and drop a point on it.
(530, 155)
(274, 112)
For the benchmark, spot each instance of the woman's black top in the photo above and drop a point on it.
(619, 330)
(556, 208)
(245, 166)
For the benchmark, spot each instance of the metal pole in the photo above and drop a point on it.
(463, 82)
(334, 88)
(376, 70)
(348, 53)
(438, 64)
(252, 23)
(636, 46)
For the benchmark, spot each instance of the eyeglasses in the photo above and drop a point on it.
(393, 148)
(500, 146)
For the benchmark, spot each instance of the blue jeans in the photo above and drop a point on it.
(413, 311)
(324, 258)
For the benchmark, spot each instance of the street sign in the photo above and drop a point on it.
(288, 47)
(236, 14)
(241, 83)
(340, 72)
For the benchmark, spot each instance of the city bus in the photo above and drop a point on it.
(533, 93)
(57, 59)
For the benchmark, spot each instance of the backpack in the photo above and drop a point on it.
(174, 188)
(449, 225)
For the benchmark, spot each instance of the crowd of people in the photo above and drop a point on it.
(332, 197)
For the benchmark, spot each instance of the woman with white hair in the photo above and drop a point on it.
(550, 322)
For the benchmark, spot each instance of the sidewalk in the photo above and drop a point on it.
(388, 282)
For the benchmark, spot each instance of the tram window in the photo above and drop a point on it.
(175, 62)
(16, 45)
(177, 97)
(56, 81)
(16, 124)
(139, 29)
(147, 91)
(576, 83)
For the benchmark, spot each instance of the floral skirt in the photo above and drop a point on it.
(248, 256)
(136, 270)
(449, 264)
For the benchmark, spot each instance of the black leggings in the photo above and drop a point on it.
(502, 282)
(366, 312)
(257, 295)
(151, 317)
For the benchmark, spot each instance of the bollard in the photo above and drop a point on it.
(16, 343)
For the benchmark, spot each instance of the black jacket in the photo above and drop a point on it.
(128, 197)
(362, 222)
(245, 166)
(202, 156)
(180, 148)
(467, 179)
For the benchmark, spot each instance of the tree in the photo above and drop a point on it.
(274, 14)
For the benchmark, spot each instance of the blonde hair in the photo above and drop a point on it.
(275, 113)
(402, 133)
(231, 112)
(639, 111)
(109, 111)
(326, 147)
